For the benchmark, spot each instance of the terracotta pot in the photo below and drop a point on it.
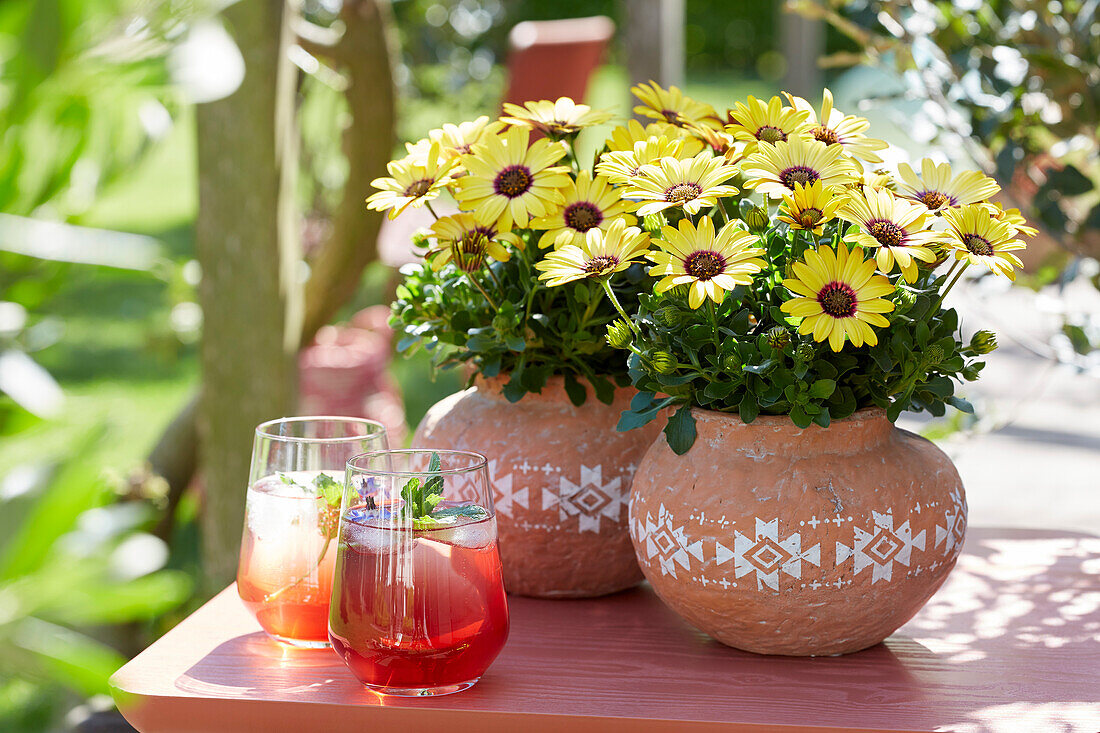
(561, 481)
(778, 540)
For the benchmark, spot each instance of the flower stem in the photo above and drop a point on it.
(606, 282)
(429, 205)
(471, 278)
(950, 285)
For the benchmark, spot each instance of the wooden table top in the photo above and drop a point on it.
(1012, 642)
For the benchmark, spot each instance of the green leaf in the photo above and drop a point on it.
(680, 431)
(328, 489)
(800, 418)
(748, 409)
(822, 388)
(515, 343)
(574, 389)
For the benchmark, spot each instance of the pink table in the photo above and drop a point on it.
(1011, 643)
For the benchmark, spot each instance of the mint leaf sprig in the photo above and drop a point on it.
(422, 495)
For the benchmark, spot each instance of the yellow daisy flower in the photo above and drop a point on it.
(411, 182)
(937, 190)
(509, 182)
(754, 121)
(599, 255)
(977, 237)
(671, 105)
(775, 169)
(710, 265)
(840, 295)
(464, 239)
(589, 203)
(894, 227)
(810, 207)
(720, 142)
(556, 119)
(833, 127)
(621, 166)
(455, 140)
(625, 137)
(692, 184)
(1012, 217)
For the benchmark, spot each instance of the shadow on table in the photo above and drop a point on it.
(256, 667)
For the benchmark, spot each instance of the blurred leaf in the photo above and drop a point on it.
(72, 491)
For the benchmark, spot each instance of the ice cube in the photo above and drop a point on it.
(472, 535)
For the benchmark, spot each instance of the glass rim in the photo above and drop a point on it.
(481, 461)
(263, 429)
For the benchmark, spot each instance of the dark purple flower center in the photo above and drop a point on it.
(582, 216)
(978, 245)
(798, 174)
(770, 134)
(934, 199)
(682, 192)
(887, 233)
(808, 218)
(838, 300)
(513, 181)
(601, 264)
(704, 264)
(825, 134)
(417, 189)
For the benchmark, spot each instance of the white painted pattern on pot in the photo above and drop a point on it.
(765, 555)
(589, 499)
(880, 547)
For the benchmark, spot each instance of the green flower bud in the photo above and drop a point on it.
(777, 337)
(678, 291)
(468, 253)
(669, 316)
(933, 355)
(653, 223)
(420, 241)
(805, 352)
(619, 334)
(906, 299)
(661, 362)
(732, 363)
(970, 374)
(757, 219)
(984, 342)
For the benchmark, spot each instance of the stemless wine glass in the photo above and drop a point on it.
(291, 515)
(418, 604)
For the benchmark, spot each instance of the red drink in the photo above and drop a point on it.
(418, 609)
(287, 562)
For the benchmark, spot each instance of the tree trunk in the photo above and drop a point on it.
(653, 35)
(246, 239)
(364, 53)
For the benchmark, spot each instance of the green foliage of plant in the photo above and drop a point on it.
(69, 560)
(746, 357)
(1014, 83)
(532, 332)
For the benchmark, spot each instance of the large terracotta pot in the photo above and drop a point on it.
(778, 540)
(561, 482)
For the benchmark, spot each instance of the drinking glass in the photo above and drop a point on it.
(291, 514)
(418, 605)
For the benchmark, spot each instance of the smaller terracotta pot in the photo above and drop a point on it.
(561, 482)
(808, 542)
